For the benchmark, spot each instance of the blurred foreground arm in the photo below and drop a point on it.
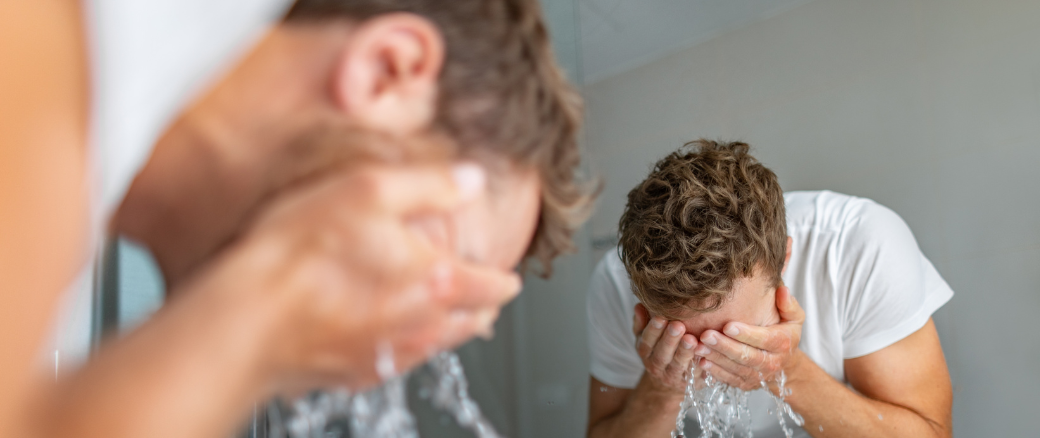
(43, 203)
(330, 275)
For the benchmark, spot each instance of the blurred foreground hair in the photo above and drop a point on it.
(501, 94)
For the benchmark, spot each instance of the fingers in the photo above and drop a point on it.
(777, 338)
(431, 331)
(774, 338)
(458, 301)
(720, 360)
(461, 326)
(787, 305)
(640, 319)
(664, 351)
(722, 375)
(650, 335)
(666, 348)
(738, 352)
(406, 189)
(683, 357)
(466, 286)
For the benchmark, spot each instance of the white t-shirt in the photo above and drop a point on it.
(855, 268)
(149, 59)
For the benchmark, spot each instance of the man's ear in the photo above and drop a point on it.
(387, 75)
(787, 255)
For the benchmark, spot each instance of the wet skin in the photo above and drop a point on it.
(670, 346)
(901, 390)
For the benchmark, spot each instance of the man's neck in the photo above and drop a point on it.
(228, 153)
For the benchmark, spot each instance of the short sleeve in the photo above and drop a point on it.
(892, 287)
(149, 60)
(612, 352)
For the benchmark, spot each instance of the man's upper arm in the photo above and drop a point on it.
(604, 401)
(910, 373)
(892, 287)
(612, 352)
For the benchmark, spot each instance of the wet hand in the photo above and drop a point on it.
(353, 292)
(665, 348)
(744, 355)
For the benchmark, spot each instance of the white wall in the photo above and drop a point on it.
(931, 107)
(548, 319)
(532, 379)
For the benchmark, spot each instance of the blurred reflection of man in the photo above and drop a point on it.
(344, 82)
(344, 88)
(711, 270)
(368, 177)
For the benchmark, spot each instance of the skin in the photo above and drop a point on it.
(902, 390)
(274, 123)
(288, 273)
(43, 202)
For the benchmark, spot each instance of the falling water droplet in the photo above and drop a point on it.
(451, 392)
(383, 412)
(723, 411)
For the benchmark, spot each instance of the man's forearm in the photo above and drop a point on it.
(831, 409)
(189, 372)
(648, 412)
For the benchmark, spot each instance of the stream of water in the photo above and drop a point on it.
(722, 410)
(383, 412)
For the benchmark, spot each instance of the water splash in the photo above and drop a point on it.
(449, 391)
(386, 367)
(723, 411)
(782, 407)
(383, 412)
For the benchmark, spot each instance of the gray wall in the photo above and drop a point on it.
(931, 107)
(548, 333)
(539, 348)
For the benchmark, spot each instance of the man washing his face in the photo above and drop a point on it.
(366, 180)
(718, 267)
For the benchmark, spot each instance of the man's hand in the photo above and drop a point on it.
(352, 291)
(748, 355)
(666, 350)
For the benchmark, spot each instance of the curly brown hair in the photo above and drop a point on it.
(707, 214)
(501, 92)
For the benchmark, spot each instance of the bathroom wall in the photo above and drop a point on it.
(931, 107)
(548, 318)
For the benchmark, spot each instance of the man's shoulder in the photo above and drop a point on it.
(610, 279)
(824, 209)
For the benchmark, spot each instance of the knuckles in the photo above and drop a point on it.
(644, 349)
(773, 365)
(748, 386)
(659, 363)
(747, 354)
(672, 372)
